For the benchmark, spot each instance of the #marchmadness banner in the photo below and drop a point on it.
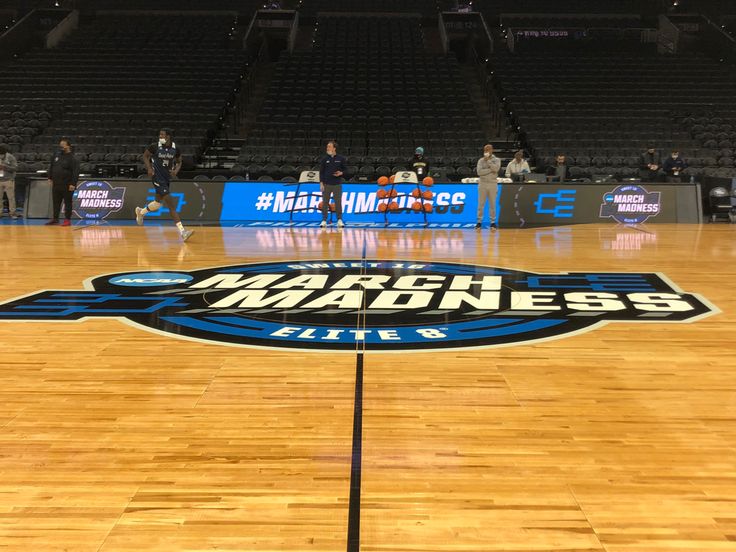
(381, 305)
(448, 205)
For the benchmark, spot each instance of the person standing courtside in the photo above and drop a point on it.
(8, 167)
(651, 162)
(63, 177)
(420, 164)
(163, 162)
(332, 169)
(487, 169)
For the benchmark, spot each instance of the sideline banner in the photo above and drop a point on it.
(451, 204)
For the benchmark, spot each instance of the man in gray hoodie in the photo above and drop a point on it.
(487, 169)
(8, 168)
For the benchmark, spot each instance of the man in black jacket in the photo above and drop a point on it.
(332, 170)
(63, 177)
(650, 165)
(559, 172)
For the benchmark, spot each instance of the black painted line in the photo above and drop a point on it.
(356, 463)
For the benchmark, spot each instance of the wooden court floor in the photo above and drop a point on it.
(623, 438)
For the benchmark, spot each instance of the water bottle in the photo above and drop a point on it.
(247, 177)
(692, 179)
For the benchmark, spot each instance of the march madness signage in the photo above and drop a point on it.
(386, 305)
(97, 200)
(631, 204)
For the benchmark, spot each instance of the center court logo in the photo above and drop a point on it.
(386, 305)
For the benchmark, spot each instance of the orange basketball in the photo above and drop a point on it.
(417, 206)
(319, 206)
(382, 207)
(383, 181)
(428, 207)
(381, 193)
(391, 178)
(428, 181)
(393, 206)
(332, 206)
(394, 193)
(415, 193)
(426, 194)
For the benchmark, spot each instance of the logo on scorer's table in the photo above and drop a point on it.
(386, 305)
(97, 200)
(631, 204)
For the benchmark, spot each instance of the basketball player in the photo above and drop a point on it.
(163, 161)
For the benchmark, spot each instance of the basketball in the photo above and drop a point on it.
(428, 207)
(427, 194)
(332, 206)
(416, 206)
(391, 179)
(382, 207)
(393, 206)
(383, 181)
(319, 205)
(394, 193)
(428, 181)
(415, 193)
(381, 193)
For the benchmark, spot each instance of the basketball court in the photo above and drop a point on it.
(117, 436)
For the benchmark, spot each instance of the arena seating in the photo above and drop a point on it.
(115, 82)
(579, 104)
(368, 84)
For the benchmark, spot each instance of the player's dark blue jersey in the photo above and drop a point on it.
(163, 161)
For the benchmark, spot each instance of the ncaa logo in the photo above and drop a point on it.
(151, 279)
(383, 305)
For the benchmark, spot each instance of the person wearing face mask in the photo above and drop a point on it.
(332, 170)
(163, 162)
(487, 169)
(63, 177)
(420, 164)
(650, 164)
(673, 167)
(8, 168)
(517, 166)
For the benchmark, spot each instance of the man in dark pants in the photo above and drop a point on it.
(332, 169)
(63, 177)
(163, 162)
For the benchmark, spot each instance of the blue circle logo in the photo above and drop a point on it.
(151, 279)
